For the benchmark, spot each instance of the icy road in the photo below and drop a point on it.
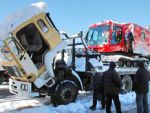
(14, 104)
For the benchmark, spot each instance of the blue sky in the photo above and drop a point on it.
(75, 15)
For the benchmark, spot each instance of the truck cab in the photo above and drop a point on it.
(106, 37)
(31, 46)
(28, 42)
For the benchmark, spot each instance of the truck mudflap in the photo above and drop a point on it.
(21, 88)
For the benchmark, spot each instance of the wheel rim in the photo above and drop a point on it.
(129, 63)
(146, 64)
(120, 63)
(67, 95)
(135, 64)
(127, 83)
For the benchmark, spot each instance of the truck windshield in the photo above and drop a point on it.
(98, 35)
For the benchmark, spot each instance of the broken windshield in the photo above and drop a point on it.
(98, 35)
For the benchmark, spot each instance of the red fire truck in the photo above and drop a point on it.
(112, 39)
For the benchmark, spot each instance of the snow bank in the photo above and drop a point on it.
(81, 105)
(128, 98)
(15, 19)
(13, 103)
(4, 86)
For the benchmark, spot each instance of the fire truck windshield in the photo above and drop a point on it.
(98, 35)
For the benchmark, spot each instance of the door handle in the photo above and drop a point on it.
(21, 57)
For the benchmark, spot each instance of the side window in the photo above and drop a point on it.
(89, 35)
(116, 34)
(95, 35)
(30, 38)
(92, 37)
(119, 33)
(113, 40)
(42, 25)
(142, 36)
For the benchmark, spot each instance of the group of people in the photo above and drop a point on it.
(107, 86)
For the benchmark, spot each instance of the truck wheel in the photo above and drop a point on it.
(146, 64)
(127, 83)
(2, 79)
(120, 63)
(65, 93)
(128, 63)
(135, 63)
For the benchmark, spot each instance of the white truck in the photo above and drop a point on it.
(33, 46)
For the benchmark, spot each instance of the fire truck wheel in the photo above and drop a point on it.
(128, 63)
(65, 93)
(146, 64)
(135, 63)
(120, 63)
(127, 83)
(1, 79)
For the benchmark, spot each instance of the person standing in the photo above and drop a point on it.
(129, 38)
(98, 91)
(112, 85)
(141, 80)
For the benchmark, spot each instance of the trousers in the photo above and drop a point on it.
(96, 94)
(142, 103)
(115, 98)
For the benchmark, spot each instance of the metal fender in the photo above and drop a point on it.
(78, 77)
(49, 56)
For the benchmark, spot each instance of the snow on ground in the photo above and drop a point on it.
(14, 102)
(4, 86)
(82, 104)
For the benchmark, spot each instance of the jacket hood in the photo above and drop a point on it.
(112, 65)
(141, 64)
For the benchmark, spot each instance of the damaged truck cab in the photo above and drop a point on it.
(33, 46)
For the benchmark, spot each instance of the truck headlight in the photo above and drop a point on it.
(24, 87)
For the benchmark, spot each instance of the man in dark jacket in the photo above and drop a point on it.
(141, 80)
(98, 91)
(129, 38)
(112, 85)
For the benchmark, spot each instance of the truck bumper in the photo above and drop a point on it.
(21, 88)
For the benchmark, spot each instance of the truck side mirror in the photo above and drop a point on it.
(80, 34)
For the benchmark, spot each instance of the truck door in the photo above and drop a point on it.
(20, 56)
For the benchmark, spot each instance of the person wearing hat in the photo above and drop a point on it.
(112, 85)
(141, 80)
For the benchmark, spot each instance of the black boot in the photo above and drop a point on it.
(103, 107)
(92, 107)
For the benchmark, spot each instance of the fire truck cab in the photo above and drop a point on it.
(110, 36)
(124, 43)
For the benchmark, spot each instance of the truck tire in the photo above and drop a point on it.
(65, 93)
(135, 63)
(121, 63)
(128, 63)
(127, 83)
(2, 79)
